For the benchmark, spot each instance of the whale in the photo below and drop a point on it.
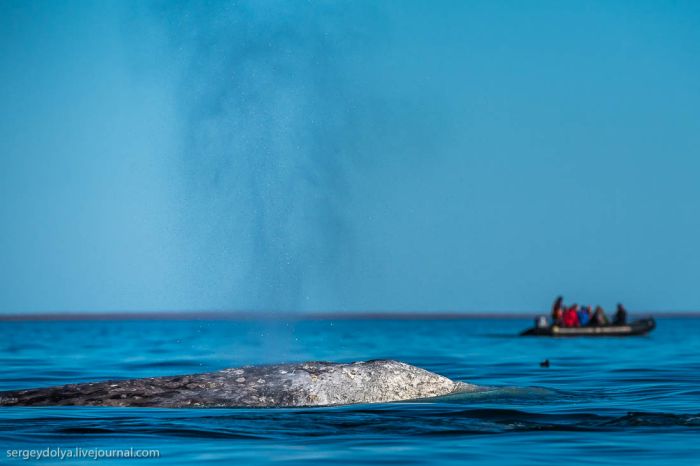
(306, 384)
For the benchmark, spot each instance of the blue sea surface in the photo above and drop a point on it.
(603, 400)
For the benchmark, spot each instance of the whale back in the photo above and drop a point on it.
(280, 385)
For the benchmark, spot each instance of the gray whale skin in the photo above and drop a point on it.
(282, 385)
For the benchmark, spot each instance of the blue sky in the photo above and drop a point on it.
(451, 156)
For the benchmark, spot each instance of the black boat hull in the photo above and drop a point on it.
(638, 327)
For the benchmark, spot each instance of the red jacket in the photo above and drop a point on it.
(571, 317)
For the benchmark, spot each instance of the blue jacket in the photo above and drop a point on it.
(583, 317)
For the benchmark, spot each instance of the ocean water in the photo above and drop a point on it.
(603, 400)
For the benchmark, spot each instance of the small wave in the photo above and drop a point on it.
(472, 393)
(655, 420)
(84, 430)
(414, 419)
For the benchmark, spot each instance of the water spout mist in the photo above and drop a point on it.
(282, 120)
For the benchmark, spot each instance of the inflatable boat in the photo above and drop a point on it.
(637, 327)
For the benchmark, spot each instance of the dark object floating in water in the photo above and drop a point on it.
(282, 385)
(545, 363)
(638, 327)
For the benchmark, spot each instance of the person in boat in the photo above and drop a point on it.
(558, 317)
(584, 316)
(557, 311)
(599, 317)
(571, 317)
(620, 315)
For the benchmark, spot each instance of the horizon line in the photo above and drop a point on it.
(290, 315)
